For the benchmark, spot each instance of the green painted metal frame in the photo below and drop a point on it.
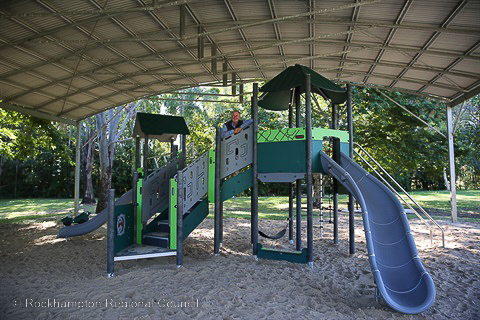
(320, 133)
(211, 176)
(173, 213)
(275, 254)
(296, 134)
(138, 222)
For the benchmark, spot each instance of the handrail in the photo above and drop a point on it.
(404, 191)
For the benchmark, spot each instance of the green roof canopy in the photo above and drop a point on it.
(279, 89)
(159, 126)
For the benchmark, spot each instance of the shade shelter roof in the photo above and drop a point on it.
(68, 60)
(279, 89)
(158, 126)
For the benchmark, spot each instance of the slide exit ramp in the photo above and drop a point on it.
(94, 223)
(401, 279)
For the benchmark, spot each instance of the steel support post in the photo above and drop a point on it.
(308, 129)
(290, 186)
(111, 233)
(254, 200)
(180, 191)
(451, 160)
(335, 149)
(351, 205)
(216, 234)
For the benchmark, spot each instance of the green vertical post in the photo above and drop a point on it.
(139, 224)
(211, 176)
(172, 213)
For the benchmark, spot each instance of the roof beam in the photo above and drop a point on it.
(122, 77)
(472, 91)
(276, 27)
(38, 114)
(355, 14)
(243, 35)
(432, 39)
(446, 71)
(401, 16)
(357, 61)
(99, 12)
(410, 80)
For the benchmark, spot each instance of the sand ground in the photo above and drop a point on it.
(47, 278)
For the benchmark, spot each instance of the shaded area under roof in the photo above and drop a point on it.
(68, 60)
(279, 89)
(159, 126)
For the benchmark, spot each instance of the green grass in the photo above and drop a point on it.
(24, 210)
(436, 203)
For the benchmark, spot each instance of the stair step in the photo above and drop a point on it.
(163, 226)
(158, 239)
(157, 234)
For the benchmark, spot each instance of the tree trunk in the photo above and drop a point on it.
(87, 166)
(447, 184)
(105, 169)
(107, 127)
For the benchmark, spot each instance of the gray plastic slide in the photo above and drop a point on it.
(94, 223)
(401, 279)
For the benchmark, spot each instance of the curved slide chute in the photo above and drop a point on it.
(94, 223)
(401, 279)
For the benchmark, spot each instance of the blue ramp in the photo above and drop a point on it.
(401, 279)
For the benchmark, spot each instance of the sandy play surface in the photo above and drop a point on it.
(47, 278)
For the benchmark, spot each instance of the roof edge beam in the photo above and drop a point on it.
(38, 114)
(465, 96)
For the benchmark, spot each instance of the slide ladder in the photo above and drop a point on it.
(401, 279)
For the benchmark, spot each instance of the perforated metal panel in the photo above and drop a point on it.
(155, 188)
(195, 182)
(237, 152)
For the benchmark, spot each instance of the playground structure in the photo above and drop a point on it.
(165, 205)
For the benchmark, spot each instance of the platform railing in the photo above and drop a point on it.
(427, 223)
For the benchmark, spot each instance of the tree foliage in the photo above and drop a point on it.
(37, 156)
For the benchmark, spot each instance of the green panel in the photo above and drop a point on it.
(235, 185)
(320, 133)
(344, 148)
(317, 145)
(173, 213)
(158, 124)
(211, 175)
(278, 157)
(286, 134)
(126, 239)
(288, 157)
(194, 218)
(274, 254)
(139, 224)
